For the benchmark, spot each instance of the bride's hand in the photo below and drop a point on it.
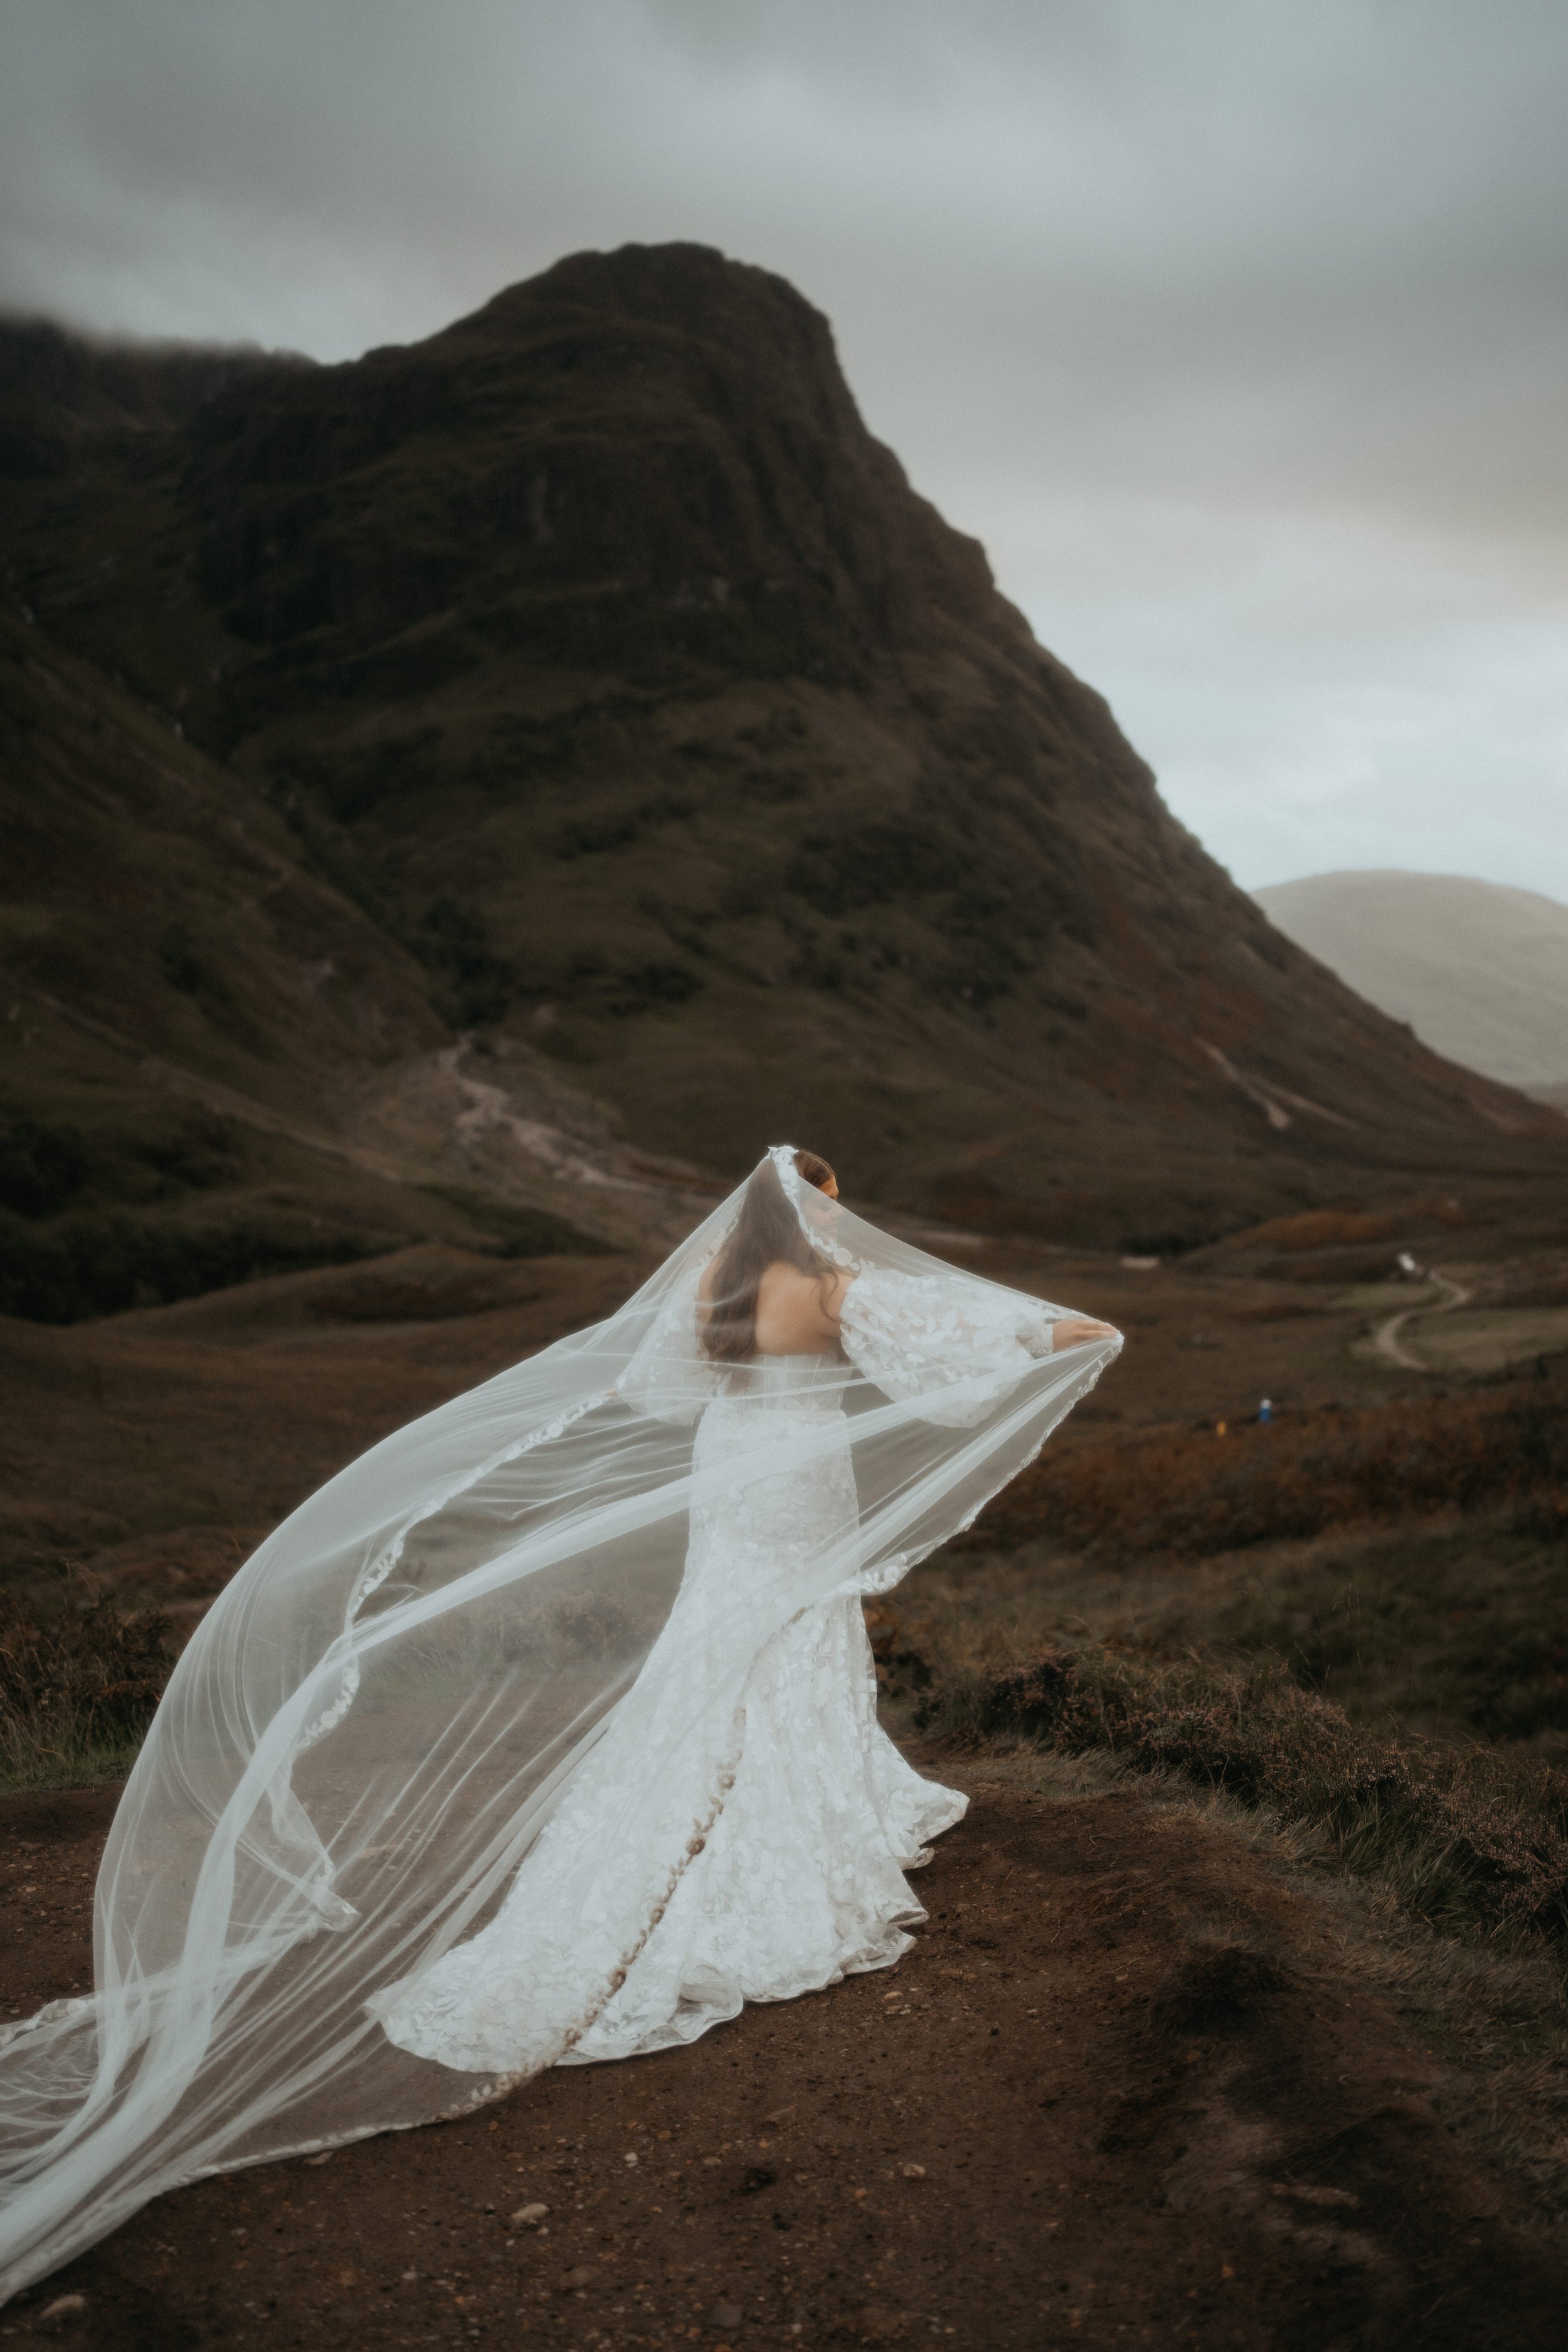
(1077, 1331)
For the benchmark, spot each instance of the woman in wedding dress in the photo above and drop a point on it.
(546, 1733)
(787, 1826)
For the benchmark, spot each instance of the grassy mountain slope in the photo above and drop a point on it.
(1479, 972)
(597, 652)
(180, 997)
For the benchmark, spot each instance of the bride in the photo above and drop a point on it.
(546, 1732)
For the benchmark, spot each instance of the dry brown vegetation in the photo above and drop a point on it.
(1471, 1837)
(77, 1689)
(1193, 1491)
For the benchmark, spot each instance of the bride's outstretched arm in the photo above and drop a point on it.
(1045, 1331)
(950, 1345)
(1078, 1331)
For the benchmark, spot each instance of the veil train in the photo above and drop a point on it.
(456, 1776)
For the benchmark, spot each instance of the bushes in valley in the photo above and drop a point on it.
(1193, 1492)
(595, 986)
(77, 1690)
(1467, 1836)
(479, 986)
(774, 787)
(85, 1265)
(45, 1165)
(1451, 1626)
(1315, 1229)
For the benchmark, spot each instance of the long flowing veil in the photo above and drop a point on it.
(373, 1721)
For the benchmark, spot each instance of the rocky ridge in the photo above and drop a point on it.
(593, 658)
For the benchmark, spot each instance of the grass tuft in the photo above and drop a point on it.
(1465, 1836)
(78, 1691)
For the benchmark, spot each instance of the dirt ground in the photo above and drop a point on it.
(1117, 2094)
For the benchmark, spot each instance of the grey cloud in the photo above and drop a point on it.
(1237, 272)
(1312, 248)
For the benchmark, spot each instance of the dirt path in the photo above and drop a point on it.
(431, 1116)
(1386, 1338)
(1113, 2097)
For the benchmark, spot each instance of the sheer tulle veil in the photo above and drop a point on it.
(375, 1718)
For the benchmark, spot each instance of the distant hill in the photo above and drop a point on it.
(586, 683)
(1479, 972)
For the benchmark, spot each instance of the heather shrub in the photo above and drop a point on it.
(77, 1266)
(77, 1690)
(1193, 1492)
(1466, 1834)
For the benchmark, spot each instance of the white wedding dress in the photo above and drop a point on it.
(775, 1863)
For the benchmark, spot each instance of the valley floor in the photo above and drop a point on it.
(1157, 2070)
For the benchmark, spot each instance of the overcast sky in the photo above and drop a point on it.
(1237, 329)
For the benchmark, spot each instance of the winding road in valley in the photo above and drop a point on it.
(1387, 1338)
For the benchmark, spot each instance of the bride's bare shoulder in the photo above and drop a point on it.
(813, 1302)
(831, 1282)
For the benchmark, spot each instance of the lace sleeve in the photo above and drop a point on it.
(928, 1339)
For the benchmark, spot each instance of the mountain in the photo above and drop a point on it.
(181, 998)
(671, 776)
(1479, 972)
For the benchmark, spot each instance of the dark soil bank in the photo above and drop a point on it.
(1110, 2098)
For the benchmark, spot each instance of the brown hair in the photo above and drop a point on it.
(766, 1232)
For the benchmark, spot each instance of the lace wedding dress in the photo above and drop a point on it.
(544, 1733)
(776, 1864)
